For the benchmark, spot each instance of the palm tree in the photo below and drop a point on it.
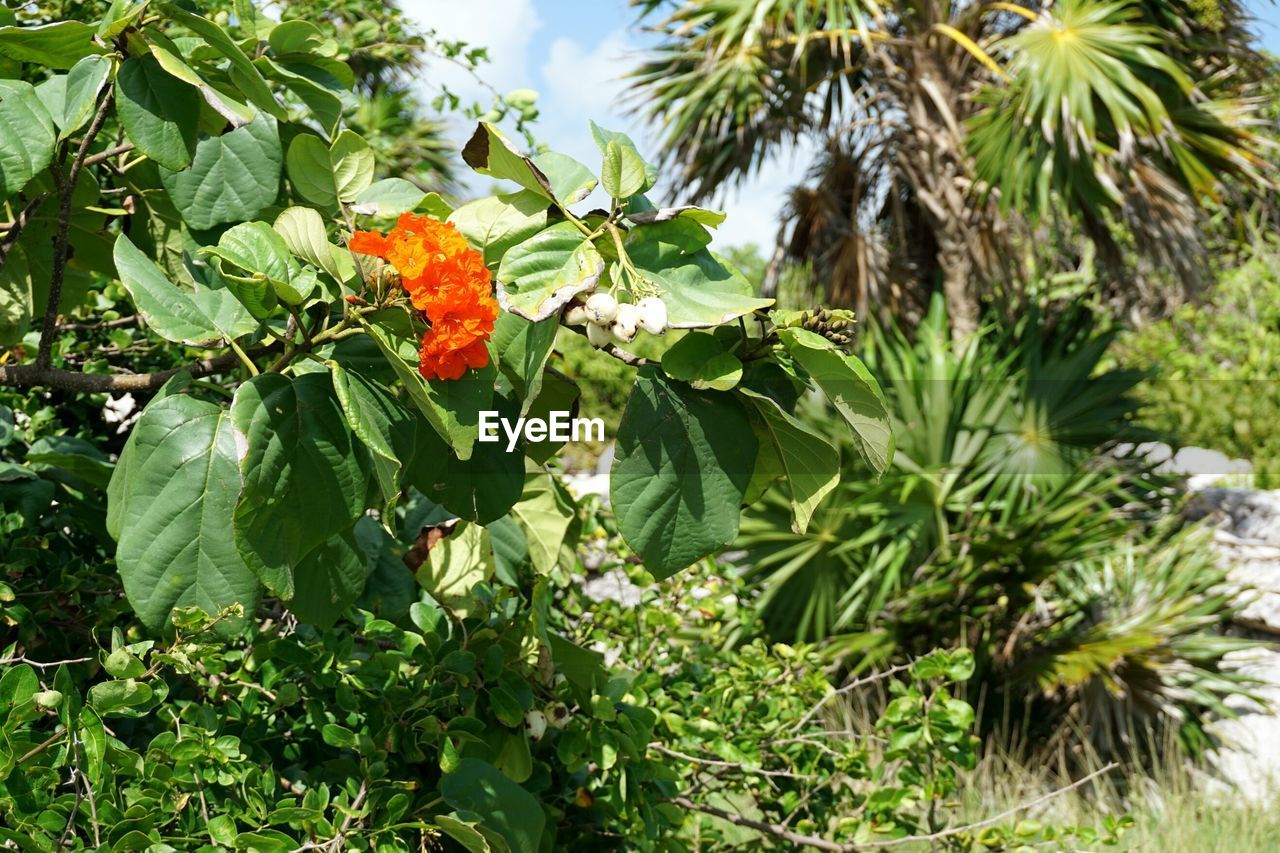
(957, 133)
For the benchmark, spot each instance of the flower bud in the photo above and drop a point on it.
(535, 723)
(602, 308)
(625, 322)
(653, 315)
(598, 335)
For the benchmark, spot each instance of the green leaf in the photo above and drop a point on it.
(58, 46)
(17, 686)
(389, 197)
(76, 95)
(698, 288)
(455, 564)
(170, 507)
(328, 580)
(351, 159)
(321, 91)
(109, 696)
(451, 407)
(71, 460)
(243, 73)
(304, 474)
(538, 277)
(303, 232)
(166, 53)
(464, 833)
(544, 513)
(490, 153)
(160, 113)
(232, 177)
(297, 37)
(622, 173)
(571, 181)
(262, 258)
(496, 223)
(197, 317)
(502, 805)
(310, 170)
(522, 347)
(482, 488)
(27, 135)
(682, 465)
(811, 464)
(850, 388)
(702, 360)
(602, 139)
(377, 418)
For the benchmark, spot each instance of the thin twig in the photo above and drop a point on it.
(336, 843)
(104, 156)
(768, 828)
(853, 685)
(38, 665)
(734, 765)
(61, 240)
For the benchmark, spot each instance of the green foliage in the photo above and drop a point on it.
(1000, 526)
(1214, 366)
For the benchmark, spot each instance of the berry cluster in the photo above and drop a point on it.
(608, 320)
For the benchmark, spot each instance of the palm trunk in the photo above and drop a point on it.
(934, 163)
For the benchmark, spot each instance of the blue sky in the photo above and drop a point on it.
(573, 52)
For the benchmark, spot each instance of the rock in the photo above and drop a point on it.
(1249, 760)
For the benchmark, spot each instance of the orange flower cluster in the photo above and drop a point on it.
(448, 282)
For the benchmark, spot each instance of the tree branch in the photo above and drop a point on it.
(767, 828)
(28, 375)
(104, 156)
(61, 240)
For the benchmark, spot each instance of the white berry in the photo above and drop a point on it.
(535, 723)
(653, 315)
(598, 335)
(602, 308)
(626, 322)
(576, 315)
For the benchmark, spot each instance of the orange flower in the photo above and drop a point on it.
(448, 282)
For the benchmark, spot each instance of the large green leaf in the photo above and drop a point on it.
(379, 420)
(160, 113)
(170, 507)
(704, 361)
(810, 463)
(571, 181)
(389, 197)
(522, 347)
(622, 172)
(698, 288)
(481, 488)
(452, 407)
(496, 223)
(351, 159)
(850, 388)
(455, 564)
(71, 99)
(491, 153)
(198, 317)
(539, 276)
(251, 256)
(242, 71)
(27, 136)
(59, 45)
(544, 513)
(503, 806)
(683, 462)
(303, 231)
(305, 474)
(603, 137)
(310, 171)
(232, 177)
(329, 580)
